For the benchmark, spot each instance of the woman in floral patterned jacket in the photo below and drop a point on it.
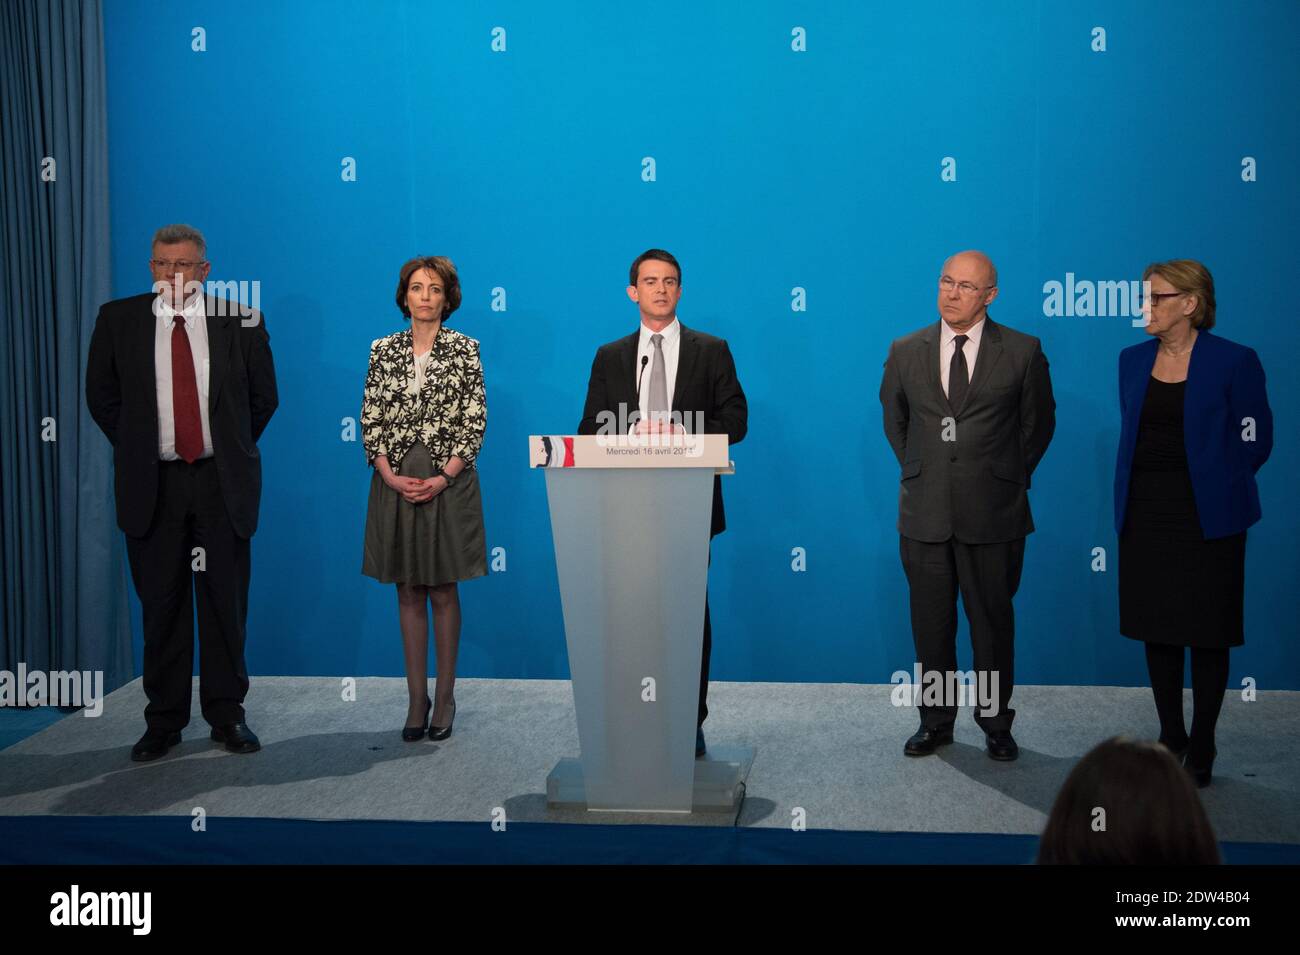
(422, 423)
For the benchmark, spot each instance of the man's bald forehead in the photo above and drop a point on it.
(979, 257)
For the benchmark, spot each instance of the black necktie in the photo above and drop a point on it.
(958, 376)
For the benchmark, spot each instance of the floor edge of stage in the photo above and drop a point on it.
(828, 760)
(165, 840)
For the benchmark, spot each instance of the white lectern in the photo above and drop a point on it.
(630, 518)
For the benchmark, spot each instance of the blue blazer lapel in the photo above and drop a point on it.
(1133, 387)
(1202, 377)
(1135, 381)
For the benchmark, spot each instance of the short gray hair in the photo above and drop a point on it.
(171, 234)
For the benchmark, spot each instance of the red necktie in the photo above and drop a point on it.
(185, 395)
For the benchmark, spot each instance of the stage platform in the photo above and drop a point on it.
(833, 751)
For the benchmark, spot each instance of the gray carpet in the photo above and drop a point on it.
(835, 750)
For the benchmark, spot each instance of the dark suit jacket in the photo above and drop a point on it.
(1225, 383)
(706, 389)
(972, 488)
(121, 392)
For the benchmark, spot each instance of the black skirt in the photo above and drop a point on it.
(1176, 587)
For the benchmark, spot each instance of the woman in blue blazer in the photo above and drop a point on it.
(1196, 426)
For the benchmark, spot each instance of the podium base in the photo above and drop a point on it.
(719, 784)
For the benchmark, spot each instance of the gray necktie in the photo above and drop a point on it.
(658, 407)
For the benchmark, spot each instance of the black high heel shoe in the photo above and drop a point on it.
(442, 732)
(412, 734)
(1179, 752)
(1201, 775)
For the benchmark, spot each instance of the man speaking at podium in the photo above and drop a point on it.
(666, 377)
(968, 410)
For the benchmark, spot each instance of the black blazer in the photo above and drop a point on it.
(706, 390)
(121, 392)
(972, 488)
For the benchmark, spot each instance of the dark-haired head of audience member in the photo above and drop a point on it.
(1128, 802)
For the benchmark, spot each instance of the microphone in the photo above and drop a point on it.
(645, 360)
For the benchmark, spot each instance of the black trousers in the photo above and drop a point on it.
(987, 576)
(191, 513)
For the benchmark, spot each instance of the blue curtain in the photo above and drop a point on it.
(63, 572)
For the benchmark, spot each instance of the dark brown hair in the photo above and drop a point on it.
(1188, 275)
(440, 266)
(657, 254)
(1152, 813)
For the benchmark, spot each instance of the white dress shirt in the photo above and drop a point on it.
(947, 346)
(672, 334)
(196, 329)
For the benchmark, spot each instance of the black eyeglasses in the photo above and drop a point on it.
(1155, 298)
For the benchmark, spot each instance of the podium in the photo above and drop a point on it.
(630, 518)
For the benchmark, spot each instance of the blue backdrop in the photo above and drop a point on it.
(775, 168)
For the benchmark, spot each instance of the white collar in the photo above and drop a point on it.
(972, 334)
(670, 332)
(193, 310)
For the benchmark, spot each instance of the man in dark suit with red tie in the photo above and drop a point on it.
(666, 376)
(183, 385)
(969, 412)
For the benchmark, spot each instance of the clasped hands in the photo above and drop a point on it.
(418, 490)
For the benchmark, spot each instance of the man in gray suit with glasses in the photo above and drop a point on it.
(969, 412)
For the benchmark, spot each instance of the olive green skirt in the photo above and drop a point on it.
(438, 542)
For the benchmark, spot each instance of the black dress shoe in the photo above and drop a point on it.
(237, 737)
(154, 745)
(1000, 745)
(699, 742)
(412, 734)
(926, 740)
(442, 732)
